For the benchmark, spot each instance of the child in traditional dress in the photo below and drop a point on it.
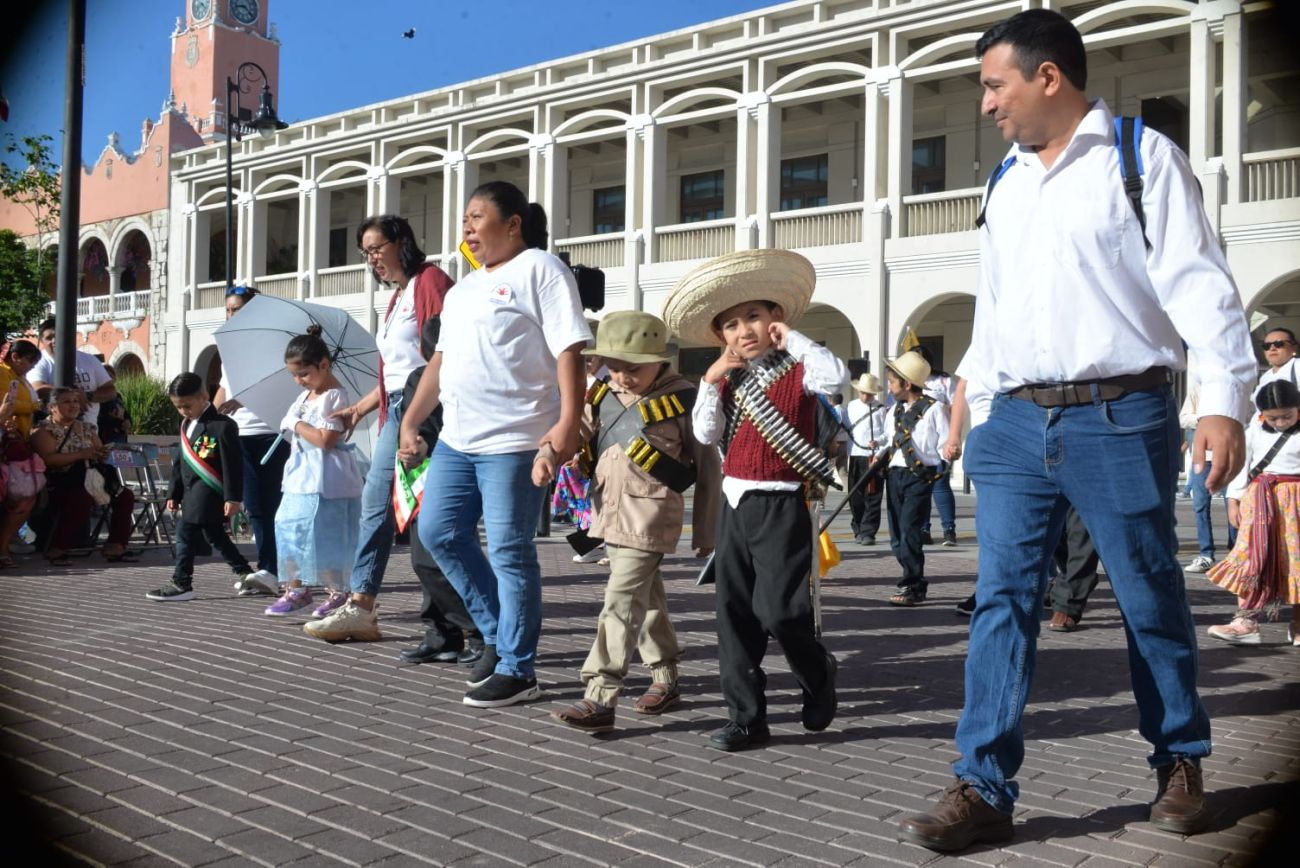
(759, 402)
(207, 487)
(644, 455)
(1263, 568)
(319, 517)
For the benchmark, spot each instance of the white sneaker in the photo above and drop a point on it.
(348, 621)
(1199, 565)
(262, 582)
(590, 557)
(1242, 631)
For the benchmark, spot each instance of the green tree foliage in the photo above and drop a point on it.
(36, 188)
(22, 295)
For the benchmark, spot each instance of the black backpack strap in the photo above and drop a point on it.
(988, 189)
(1128, 138)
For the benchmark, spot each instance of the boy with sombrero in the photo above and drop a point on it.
(644, 455)
(758, 402)
(867, 421)
(920, 429)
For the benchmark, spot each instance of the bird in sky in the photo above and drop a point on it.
(409, 34)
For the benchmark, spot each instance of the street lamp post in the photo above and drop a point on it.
(240, 120)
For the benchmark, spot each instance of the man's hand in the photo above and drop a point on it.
(411, 448)
(1234, 513)
(231, 508)
(727, 362)
(350, 416)
(565, 439)
(1225, 438)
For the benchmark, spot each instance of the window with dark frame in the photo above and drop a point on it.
(608, 209)
(803, 182)
(702, 196)
(928, 163)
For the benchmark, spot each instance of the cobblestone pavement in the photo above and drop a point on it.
(203, 733)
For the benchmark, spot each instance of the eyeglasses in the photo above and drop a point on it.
(368, 253)
(241, 291)
(1275, 345)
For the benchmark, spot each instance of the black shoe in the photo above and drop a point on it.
(498, 691)
(966, 606)
(950, 537)
(926, 539)
(483, 669)
(819, 711)
(469, 655)
(424, 653)
(171, 593)
(733, 736)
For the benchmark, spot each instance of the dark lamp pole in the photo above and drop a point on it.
(240, 120)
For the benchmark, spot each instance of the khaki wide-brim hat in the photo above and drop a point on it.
(911, 366)
(777, 276)
(870, 384)
(631, 336)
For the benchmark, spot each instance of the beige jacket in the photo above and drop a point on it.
(629, 507)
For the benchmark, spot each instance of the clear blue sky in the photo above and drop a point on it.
(334, 54)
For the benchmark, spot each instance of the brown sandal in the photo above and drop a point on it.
(587, 716)
(657, 699)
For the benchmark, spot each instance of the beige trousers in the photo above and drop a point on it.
(635, 616)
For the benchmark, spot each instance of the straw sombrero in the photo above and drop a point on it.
(911, 366)
(870, 384)
(778, 276)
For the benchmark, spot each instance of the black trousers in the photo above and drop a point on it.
(446, 620)
(1076, 561)
(864, 504)
(190, 539)
(762, 565)
(909, 505)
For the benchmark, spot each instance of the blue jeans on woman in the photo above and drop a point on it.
(1202, 501)
(1116, 462)
(375, 540)
(502, 590)
(943, 499)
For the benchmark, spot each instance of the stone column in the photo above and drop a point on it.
(899, 142)
(1233, 35)
(313, 237)
(765, 152)
(1203, 56)
(654, 179)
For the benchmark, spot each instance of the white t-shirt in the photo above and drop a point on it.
(502, 332)
(399, 341)
(331, 473)
(249, 424)
(90, 375)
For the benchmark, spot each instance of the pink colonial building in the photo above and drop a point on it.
(123, 238)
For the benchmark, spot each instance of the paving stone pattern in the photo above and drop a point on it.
(204, 733)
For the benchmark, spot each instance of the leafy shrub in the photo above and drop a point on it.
(147, 402)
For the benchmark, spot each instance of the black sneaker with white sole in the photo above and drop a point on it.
(966, 606)
(500, 690)
(483, 669)
(171, 593)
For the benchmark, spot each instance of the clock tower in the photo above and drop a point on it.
(208, 46)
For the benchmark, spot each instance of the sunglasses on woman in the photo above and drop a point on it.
(1275, 345)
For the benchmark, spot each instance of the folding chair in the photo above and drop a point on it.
(150, 489)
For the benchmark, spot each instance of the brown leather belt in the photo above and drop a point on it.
(1108, 389)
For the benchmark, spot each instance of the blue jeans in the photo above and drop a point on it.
(262, 484)
(943, 501)
(1116, 462)
(502, 590)
(375, 540)
(1202, 500)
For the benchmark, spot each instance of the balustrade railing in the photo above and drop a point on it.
(597, 251)
(701, 240)
(817, 227)
(1272, 175)
(341, 280)
(940, 213)
(279, 285)
(210, 294)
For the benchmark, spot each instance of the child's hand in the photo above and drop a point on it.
(232, 508)
(544, 466)
(703, 552)
(171, 506)
(1234, 513)
(727, 362)
(777, 332)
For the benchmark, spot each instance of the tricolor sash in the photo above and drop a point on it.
(202, 469)
(408, 492)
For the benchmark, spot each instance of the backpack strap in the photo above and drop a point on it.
(1128, 138)
(993, 182)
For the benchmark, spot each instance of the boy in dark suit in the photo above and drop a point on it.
(207, 486)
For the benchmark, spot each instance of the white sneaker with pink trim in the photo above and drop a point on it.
(1242, 631)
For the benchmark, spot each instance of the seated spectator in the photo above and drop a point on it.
(19, 477)
(70, 449)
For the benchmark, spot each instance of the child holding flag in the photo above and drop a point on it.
(447, 623)
(319, 517)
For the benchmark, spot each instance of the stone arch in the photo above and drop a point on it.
(943, 322)
(134, 257)
(126, 227)
(580, 123)
(487, 141)
(216, 198)
(1276, 305)
(940, 49)
(208, 366)
(339, 172)
(277, 184)
(407, 158)
(1096, 19)
(817, 71)
(126, 362)
(685, 100)
(93, 264)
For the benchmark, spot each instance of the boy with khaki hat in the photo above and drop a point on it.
(644, 455)
(867, 421)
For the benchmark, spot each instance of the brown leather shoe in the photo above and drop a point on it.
(1063, 623)
(657, 699)
(960, 818)
(587, 716)
(1180, 800)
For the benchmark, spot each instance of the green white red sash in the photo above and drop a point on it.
(202, 469)
(408, 492)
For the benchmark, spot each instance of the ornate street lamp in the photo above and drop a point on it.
(240, 120)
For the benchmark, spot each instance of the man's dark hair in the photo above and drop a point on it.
(1290, 335)
(25, 350)
(185, 385)
(47, 324)
(397, 230)
(1040, 36)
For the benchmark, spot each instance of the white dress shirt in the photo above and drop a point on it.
(823, 374)
(867, 422)
(1258, 442)
(928, 436)
(1068, 291)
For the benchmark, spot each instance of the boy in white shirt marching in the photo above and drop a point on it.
(866, 420)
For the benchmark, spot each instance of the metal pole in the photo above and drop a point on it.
(231, 89)
(65, 305)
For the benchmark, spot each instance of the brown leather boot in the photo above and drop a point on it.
(1180, 800)
(960, 818)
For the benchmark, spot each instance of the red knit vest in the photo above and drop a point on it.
(748, 455)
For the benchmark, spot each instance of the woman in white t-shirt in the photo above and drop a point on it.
(510, 379)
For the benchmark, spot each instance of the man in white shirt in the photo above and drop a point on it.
(90, 377)
(866, 421)
(1081, 314)
(1280, 349)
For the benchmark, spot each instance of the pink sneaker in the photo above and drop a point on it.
(293, 600)
(335, 601)
(1242, 631)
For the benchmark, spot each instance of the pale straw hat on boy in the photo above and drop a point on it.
(778, 276)
(870, 384)
(631, 336)
(911, 366)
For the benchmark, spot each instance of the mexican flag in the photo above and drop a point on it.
(408, 492)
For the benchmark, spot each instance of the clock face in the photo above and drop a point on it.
(244, 11)
(200, 9)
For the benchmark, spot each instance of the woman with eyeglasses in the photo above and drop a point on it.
(261, 481)
(388, 246)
